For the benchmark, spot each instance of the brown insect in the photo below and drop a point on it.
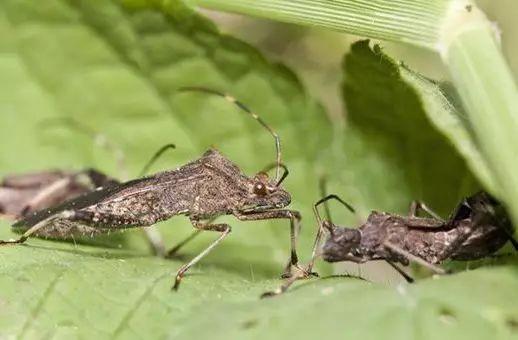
(202, 190)
(478, 227)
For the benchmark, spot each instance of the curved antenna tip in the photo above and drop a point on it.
(243, 107)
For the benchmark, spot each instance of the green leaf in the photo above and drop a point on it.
(443, 111)
(60, 291)
(116, 67)
(389, 109)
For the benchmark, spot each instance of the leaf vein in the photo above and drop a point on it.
(41, 303)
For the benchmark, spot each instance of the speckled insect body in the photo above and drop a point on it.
(478, 227)
(202, 190)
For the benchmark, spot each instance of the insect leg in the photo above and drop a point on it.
(412, 257)
(316, 245)
(301, 274)
(335, 197)
(189, 238)
(324, 224)
(224, 229)
(42, 224)
(417, 206)
(292, 215)
(174, 250)
(407, 277)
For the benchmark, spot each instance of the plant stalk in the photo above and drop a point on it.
(470, 48)
(411, 21)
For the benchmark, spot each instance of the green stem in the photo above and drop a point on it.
(490, 96)
(412, 21)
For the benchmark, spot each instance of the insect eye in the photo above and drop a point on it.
(260, 189)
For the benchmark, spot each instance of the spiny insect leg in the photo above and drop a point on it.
(293, 216)
(295, 228)
(224, 229)
(412, 257)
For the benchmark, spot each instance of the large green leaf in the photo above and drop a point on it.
(59, 291)
(117, 67)
(408, 156)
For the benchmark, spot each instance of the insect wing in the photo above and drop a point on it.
(80, 202)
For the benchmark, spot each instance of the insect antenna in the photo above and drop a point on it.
(284, 174)
(326, 224)
(322, 185)
(98, 138)
(325, 198)
(254, 115)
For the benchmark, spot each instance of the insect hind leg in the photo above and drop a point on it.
(223, 228)
(38, 226)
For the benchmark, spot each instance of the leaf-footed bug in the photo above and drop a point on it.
(478, 227)
(202, 190)
(23, 194)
